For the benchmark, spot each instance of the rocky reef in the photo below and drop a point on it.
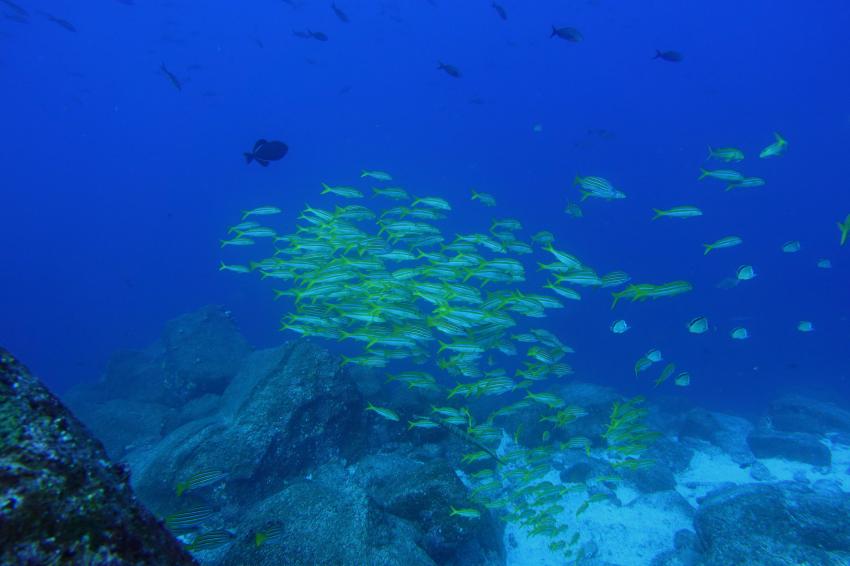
(61, 500)
(305, 476)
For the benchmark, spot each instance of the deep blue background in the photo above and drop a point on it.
(116, 187)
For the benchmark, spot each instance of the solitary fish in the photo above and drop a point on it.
(670, 56)
(388, 414)
(805, 326)
(699, 325)
(739, 333)
(745, 273)
(683, 379)
(725, 242)
(343, 17)
(468, 513)
(746, 183)
(791, 247)
(619, 326)
(379, 175)
(844, 228)
(500, 10)
(59, 21)
(568, 33)
(311, 35)
(171, 77)
(450, 70)
(266, 151)
(722, 174)
(678, 212)
(726, 154)
(777, 148)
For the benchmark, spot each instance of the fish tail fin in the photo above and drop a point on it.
(779, 138)
(221, 266)
(657, 54)
(585, 195)
(363, 173)
(710, 153)
(658, 213)
(554, 32)
(249, 157)
(708, 248)
(181, 487)
(325, 189)
(703, 173)
(475, 195)
(616, 299)
(576, 180)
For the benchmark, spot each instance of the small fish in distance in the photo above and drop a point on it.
(567, 33)
(18, 9)
(266, 151)
(311, 35)
(450, 70)
(343, 17)
(171, 77)
(669, 56)
(59, 21)
(500, 10)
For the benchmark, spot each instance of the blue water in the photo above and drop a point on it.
(117, 187)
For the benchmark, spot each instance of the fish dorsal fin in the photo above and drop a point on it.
(260, 143)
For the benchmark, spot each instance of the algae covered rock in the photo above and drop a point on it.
(61, 500)
(786, 522)
(289, 409)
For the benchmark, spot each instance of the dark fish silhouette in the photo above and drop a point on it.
(311, 35)
(568, 33)
(500, 10)
(671, 56)
(18, 9)
(266, 151)
(59, 21)
(343, 17)
(450, 70)
(171, 77)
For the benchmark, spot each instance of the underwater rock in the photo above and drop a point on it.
(801, 414)
(787, 523)
(655, 478)
(140, 391)
(61, 500)
(203, 351)
(327, 519)
(727, 432)
(289, 409)
(423, 493)
(759, 472)
(123, 425)
(798, 446)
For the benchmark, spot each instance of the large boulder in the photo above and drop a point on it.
(325, 519)
(727, 432)
(289, 409)
(422, 493)
(61, 500)
(801, 414)
(798, 446)
(774, 524)
(203, 351)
